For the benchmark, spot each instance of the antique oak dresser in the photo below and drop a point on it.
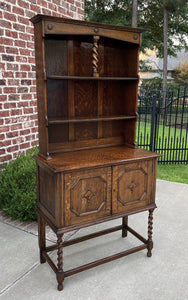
(89, 169)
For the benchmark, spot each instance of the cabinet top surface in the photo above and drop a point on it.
(40, 17)
(95, 158)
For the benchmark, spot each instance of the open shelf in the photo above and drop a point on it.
(90, 78)
(94, 119)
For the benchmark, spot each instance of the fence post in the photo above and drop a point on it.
(151, 146)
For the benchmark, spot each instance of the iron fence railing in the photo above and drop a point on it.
(163, 127)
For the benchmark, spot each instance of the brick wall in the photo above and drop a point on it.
(18, 104)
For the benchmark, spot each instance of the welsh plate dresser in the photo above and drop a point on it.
(89, 169)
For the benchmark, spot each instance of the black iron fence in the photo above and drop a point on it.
(163, 125)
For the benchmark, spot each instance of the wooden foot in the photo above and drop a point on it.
(150, 228)
(124, 226)
(60, 273)
(41, 237)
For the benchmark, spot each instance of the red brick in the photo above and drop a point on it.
(21, 74)
(2, 49)
(34, 143)
(12, 148)
(61, 10)
(19, 27)
(28, 110)
(3, 98)
(25, 96)
(19, 43)
(29, 13)
(22, 89)
(9, 105)
(2, 136)
(23, 20)
(22, 59)
(11, 50)
(5, 158)
(6, 143)
(25, 82)
(18, 140)
(23, 4)
(42, 3)
(25, 52)
(4, 128)
(35, 129)
(13, 67)
(31, 60)
(9, 16)
(2, 82)
(15, 112)
(25, 145)
(25, 67)
(52, 7)
(23, 104)
(5, 24)
(8, 57)
(16, 126)
(30, 30)
(6, 41)
(24, 36)
(2, 151)
(18, 11)
(9, 90)
(4, 113)
(5, 6)
(13, 97)
(30, 45)
(35, 8)
(33, 90)
(11, 134)
(8, 74)
(13, 82)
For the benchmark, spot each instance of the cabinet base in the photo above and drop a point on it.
(60, 274)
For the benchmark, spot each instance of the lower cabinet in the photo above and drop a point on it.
(95, 193)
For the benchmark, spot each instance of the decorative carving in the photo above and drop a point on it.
(131, 191)
(88, 195)
(91, 200)
(95, 56)
(132, 186)
(150, 228)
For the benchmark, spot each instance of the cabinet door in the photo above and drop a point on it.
(133, 186)
(87, 195)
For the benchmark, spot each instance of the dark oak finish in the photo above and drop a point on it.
(89, 169)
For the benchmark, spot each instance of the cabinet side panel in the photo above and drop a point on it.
(41, 87)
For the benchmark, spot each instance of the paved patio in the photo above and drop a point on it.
(164, 276)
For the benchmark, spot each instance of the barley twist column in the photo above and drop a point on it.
(95, 56)
(60, 273)
(150, 228)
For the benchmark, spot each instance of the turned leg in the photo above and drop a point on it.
(60, 273)
(150, 228)
(124, 226)
(41, 238)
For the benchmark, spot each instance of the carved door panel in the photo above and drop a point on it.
(87, 195)
(132, 186)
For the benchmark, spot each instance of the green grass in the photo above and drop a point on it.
(176, 173)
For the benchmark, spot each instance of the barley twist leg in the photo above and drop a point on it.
(150, 228)
(60, 273)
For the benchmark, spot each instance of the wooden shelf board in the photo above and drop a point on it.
(94, 119)
(90, 78)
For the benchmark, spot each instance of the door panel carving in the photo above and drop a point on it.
(87, 195)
